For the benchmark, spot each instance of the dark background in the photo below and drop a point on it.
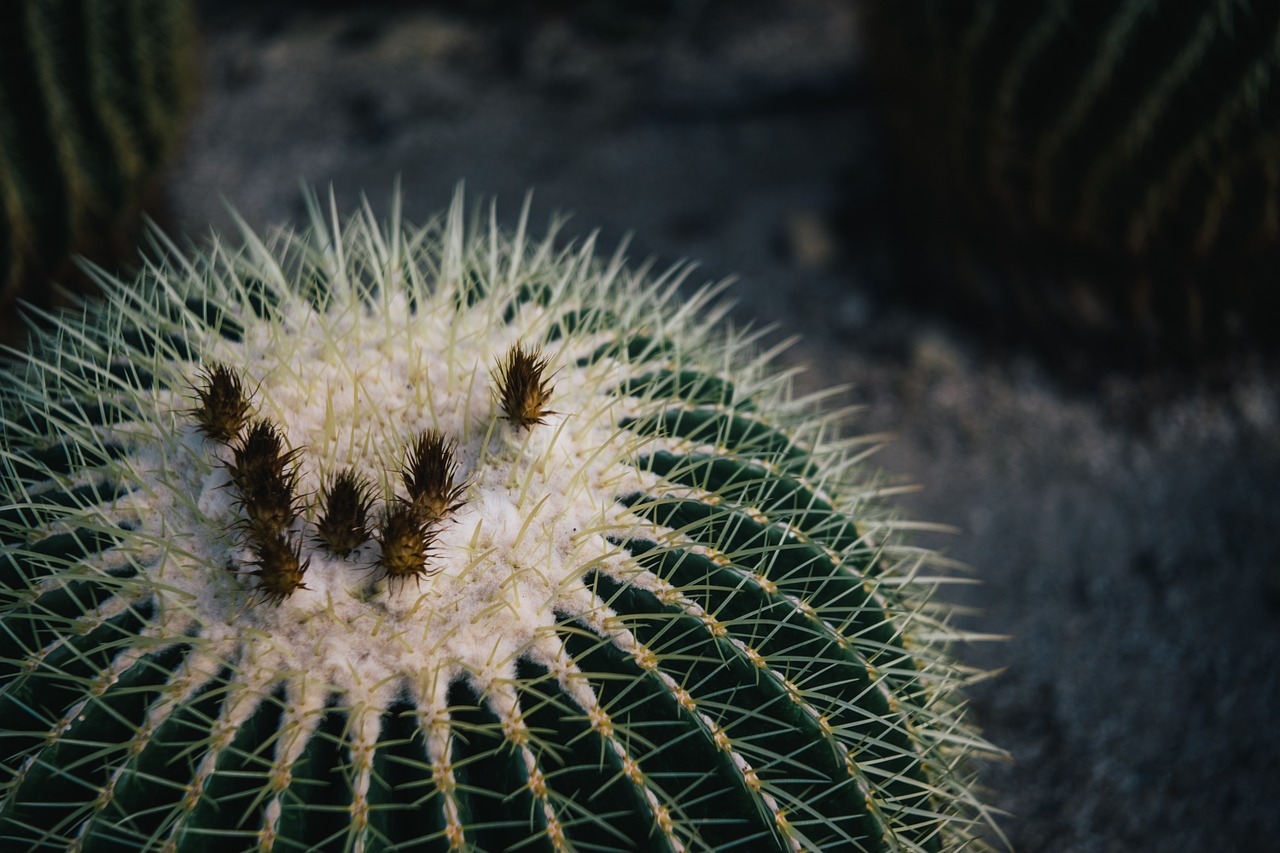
(1123, 530)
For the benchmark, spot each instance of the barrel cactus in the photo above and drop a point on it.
(378, 537)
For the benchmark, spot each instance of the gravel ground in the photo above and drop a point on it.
(1125, 537)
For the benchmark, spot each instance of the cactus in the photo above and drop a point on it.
(378, 537)
(1118, 163)
(93, 100)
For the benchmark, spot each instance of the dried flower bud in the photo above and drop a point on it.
(523, 389)
(406, 544)
(280, 566)
(262, 472)
(429, 477)
(344, 519)
(223, 407)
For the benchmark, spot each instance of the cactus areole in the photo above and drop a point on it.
(386, 538)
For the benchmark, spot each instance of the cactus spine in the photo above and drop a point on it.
(377, 537)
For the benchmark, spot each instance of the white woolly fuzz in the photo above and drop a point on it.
(350, 382)
(351, 386)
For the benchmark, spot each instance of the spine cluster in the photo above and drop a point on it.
(263, 471)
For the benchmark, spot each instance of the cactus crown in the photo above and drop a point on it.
(376, 536)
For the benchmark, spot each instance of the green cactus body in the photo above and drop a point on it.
(93, 99)
(659, 611)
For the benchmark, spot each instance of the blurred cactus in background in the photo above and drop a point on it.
(94, 96)
(1104, 173)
